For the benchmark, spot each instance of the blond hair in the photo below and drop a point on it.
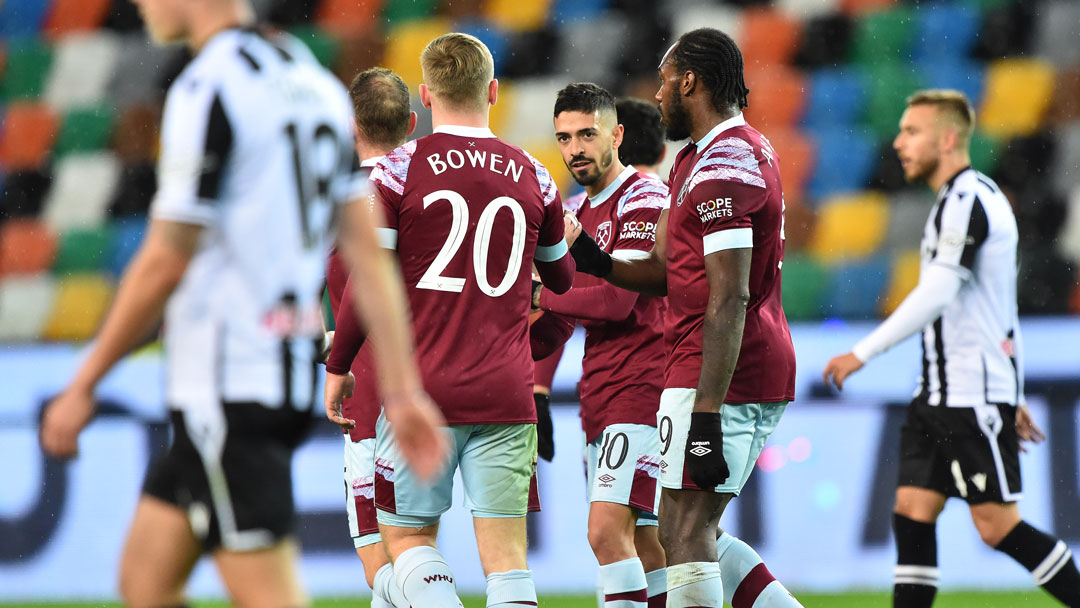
(457, 69)
(953, 106)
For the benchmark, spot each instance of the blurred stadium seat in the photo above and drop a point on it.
(854, 288)
(78, 307)
(81, 90)
(25, 306)
(1018, 92)
(902, 279)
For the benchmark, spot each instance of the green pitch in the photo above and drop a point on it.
(1030, 599)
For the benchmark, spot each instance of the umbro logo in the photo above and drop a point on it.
(700, 450)
(606, 478)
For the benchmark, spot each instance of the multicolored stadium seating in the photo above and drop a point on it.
(81, 89)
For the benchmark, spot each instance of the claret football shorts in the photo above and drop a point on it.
(623, 467)
(360, 491)
(498, 469)
(747, 426)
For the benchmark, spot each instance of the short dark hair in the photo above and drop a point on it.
(584, 97)
(716, 60)
(643, 139)
(381, 106)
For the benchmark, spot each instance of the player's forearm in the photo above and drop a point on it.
(643, 275)
(548, 334)
(599, 303)
(721, 343)
(557, 276)
(936, 289)
(140, 300)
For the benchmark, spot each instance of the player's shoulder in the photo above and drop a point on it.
(732, 157)
(574, 203)
(549, 191)
(644, 192)
(393, 169)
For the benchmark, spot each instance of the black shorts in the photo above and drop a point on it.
(963, 452)
(234, 483)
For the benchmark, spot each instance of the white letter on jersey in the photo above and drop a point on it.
(437, 167)
(460, 159)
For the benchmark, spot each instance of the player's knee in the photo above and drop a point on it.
(610, 543)
(649, 550)
(993, 526)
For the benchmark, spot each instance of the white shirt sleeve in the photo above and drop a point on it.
(196, 139)
(938, 286)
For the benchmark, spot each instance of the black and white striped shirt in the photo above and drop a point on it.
(971, 353)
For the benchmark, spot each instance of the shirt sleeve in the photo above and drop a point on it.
(724, 208)
(196, 143)
(388, 180)
(349, 334)
(937, 287)
(963, 228)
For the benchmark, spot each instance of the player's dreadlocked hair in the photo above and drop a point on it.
(643, 140)
(584, 97)
(715, 58)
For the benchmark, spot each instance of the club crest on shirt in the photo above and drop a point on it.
(603, 234)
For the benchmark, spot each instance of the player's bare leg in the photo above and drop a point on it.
(611, 535)
(264, 578)
(502, 543)
(688, 522)
(420, 571)
(1047, 558)
(158, 556)
(914, 526)
(654, 562)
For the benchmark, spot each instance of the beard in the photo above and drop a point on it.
(598, 168)
(675, 118)
(922, 173)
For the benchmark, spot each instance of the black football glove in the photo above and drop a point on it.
(589, 258)
(705, 451)
(545, 434)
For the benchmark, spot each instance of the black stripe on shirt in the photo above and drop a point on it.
(219, 141)
(249, 59)
(977, 231)
(939, 348)
(925, 393)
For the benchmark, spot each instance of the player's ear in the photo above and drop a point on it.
(617, 136)
(425, 96)
(688, 84)
(493, 91)
(412, 124)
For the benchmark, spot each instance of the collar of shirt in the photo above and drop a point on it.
(465, 131)
(734, 121)
(605, 194)
(952, 180)
(371, 162)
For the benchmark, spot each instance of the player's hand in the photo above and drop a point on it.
(1026, 429)
(572, 227)
(545, 431)
(418, 430)
(840, 367)
(324, 348)
(537, 287)
(62, 421)
(338, 388)
(704, 458)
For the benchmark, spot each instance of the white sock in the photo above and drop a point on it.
(747, 582)
(656, 587)
(386, 591)
(695, 585)
(425, 578)
(624, 584)
(510, 589)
